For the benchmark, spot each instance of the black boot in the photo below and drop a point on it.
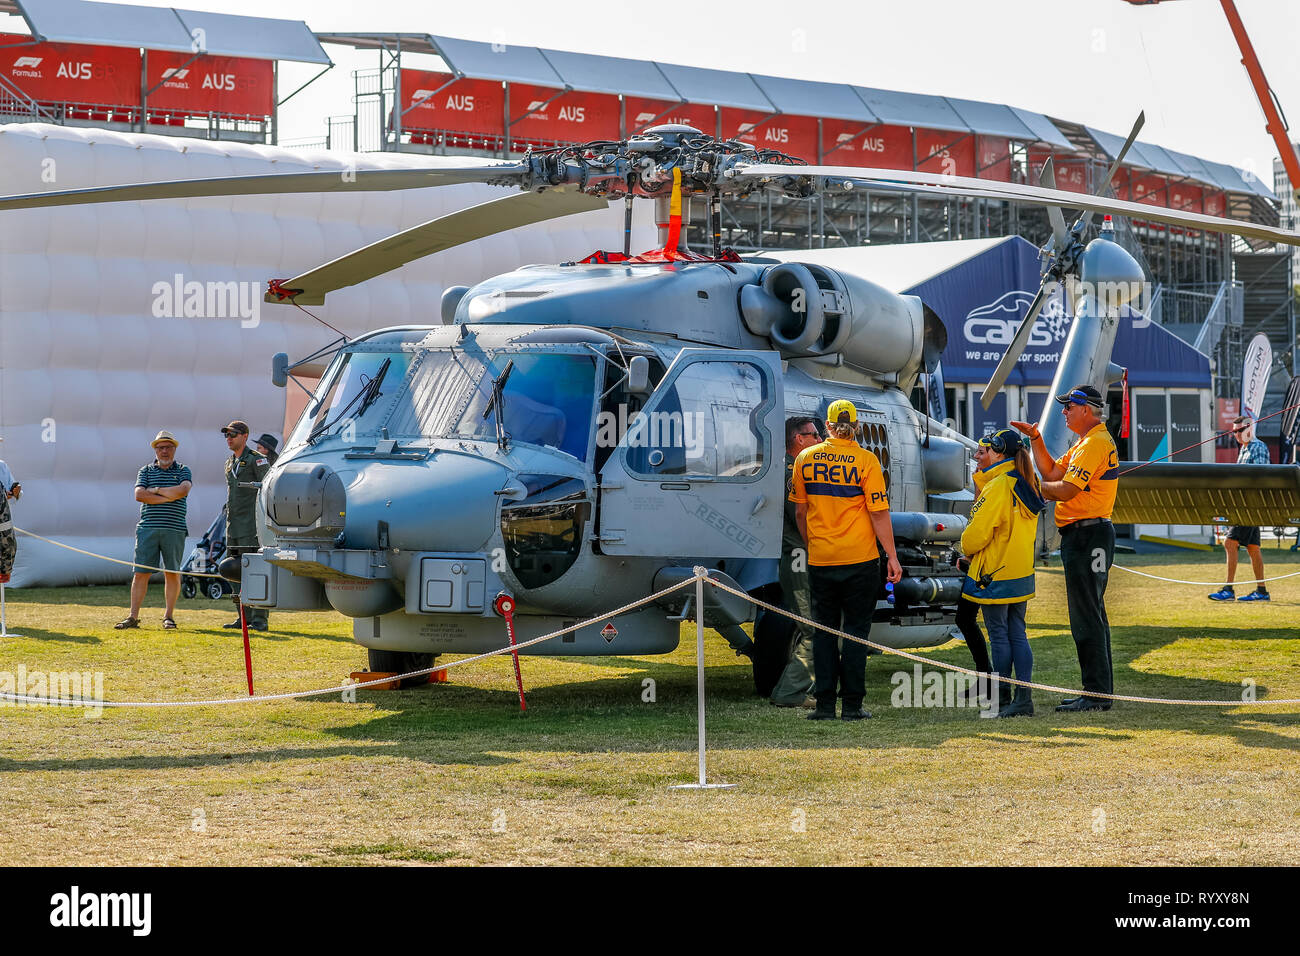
(1021, 706)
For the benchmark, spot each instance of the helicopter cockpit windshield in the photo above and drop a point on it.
(548, 399)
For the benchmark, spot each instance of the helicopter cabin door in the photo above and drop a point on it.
(700, 470)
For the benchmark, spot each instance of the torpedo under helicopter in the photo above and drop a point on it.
(580, 435)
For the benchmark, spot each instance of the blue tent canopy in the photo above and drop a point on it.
(983, 300)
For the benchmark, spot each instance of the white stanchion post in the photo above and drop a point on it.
(4, 632)
(703, 783)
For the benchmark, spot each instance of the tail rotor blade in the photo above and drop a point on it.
(1012, 355)
(1119, 158)
(1047, 179)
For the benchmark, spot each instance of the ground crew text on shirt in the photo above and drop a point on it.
(840, 482)
(1092, 465)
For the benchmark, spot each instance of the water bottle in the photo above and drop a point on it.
(889, 592)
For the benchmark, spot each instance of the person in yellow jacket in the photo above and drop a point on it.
(999, 544)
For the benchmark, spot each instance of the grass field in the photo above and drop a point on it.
(454, 774)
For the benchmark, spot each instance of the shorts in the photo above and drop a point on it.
(153, 544)
(1244, 534)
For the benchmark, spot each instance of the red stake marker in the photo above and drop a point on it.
(505, 606)
(248, 652)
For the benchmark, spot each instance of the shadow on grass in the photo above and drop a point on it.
(227, 758)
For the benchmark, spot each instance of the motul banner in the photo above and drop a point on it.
(235, 86)
(464, 106)
(945, 153)
(71, 73)
(642, 112)
(993, 154)
(884, 147)
(1254, 375)
(795, 135)
(571, 117)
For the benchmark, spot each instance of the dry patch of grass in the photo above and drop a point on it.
(453, 775)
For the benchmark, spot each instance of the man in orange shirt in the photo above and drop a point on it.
(1083, 483)
(840, 506)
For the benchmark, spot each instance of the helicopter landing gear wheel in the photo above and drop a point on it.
(214, 590)
(399, 662)
(189, 589)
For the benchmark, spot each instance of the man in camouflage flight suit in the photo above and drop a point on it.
(243, 465)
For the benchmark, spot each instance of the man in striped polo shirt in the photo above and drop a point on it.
(160, 488)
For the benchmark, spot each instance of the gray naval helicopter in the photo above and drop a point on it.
(578, 436)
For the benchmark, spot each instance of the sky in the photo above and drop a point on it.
(1096, 62)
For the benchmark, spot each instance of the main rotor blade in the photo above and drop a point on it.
(1047, 179)
(1119, 158)
(872, 178)
(1012, 355)
(319, 181)
(476, 222)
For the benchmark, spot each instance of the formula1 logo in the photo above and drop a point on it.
(997, 322)
(644, 118)
(175, 73)
(32, 61)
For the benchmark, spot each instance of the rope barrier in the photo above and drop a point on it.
(1156, 577)
(1008, 680)
(129, 564)
(508, 649)
(363, 684)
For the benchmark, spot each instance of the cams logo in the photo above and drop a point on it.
(997, 322)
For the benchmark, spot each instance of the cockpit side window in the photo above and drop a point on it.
(705, 423)
(619, 408)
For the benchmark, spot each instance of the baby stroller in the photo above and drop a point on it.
(203, 558)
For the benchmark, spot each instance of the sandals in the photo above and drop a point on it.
(169, 624)
(128, 623)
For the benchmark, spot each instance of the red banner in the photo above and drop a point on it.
(465, 106)
(1070, 176)
(642, 112)
(1215, 203)
(71, 73)
(571, 117)
(994, 155)
(1149, 189)
(795, 135)
(1186, 197)
(235, 86)
(883, 147)
(945, 153)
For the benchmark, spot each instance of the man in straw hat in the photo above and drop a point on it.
(160, 488)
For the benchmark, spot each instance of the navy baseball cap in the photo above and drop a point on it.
(1082, 395)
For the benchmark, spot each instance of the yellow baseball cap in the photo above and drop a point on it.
(842, 411)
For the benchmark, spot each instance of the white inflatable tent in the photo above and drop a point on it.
(96, 358)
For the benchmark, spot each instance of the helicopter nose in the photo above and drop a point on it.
(448, 503)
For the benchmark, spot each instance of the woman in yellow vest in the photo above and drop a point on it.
(999, 543)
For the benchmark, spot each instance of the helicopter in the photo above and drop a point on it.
(577, 436)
